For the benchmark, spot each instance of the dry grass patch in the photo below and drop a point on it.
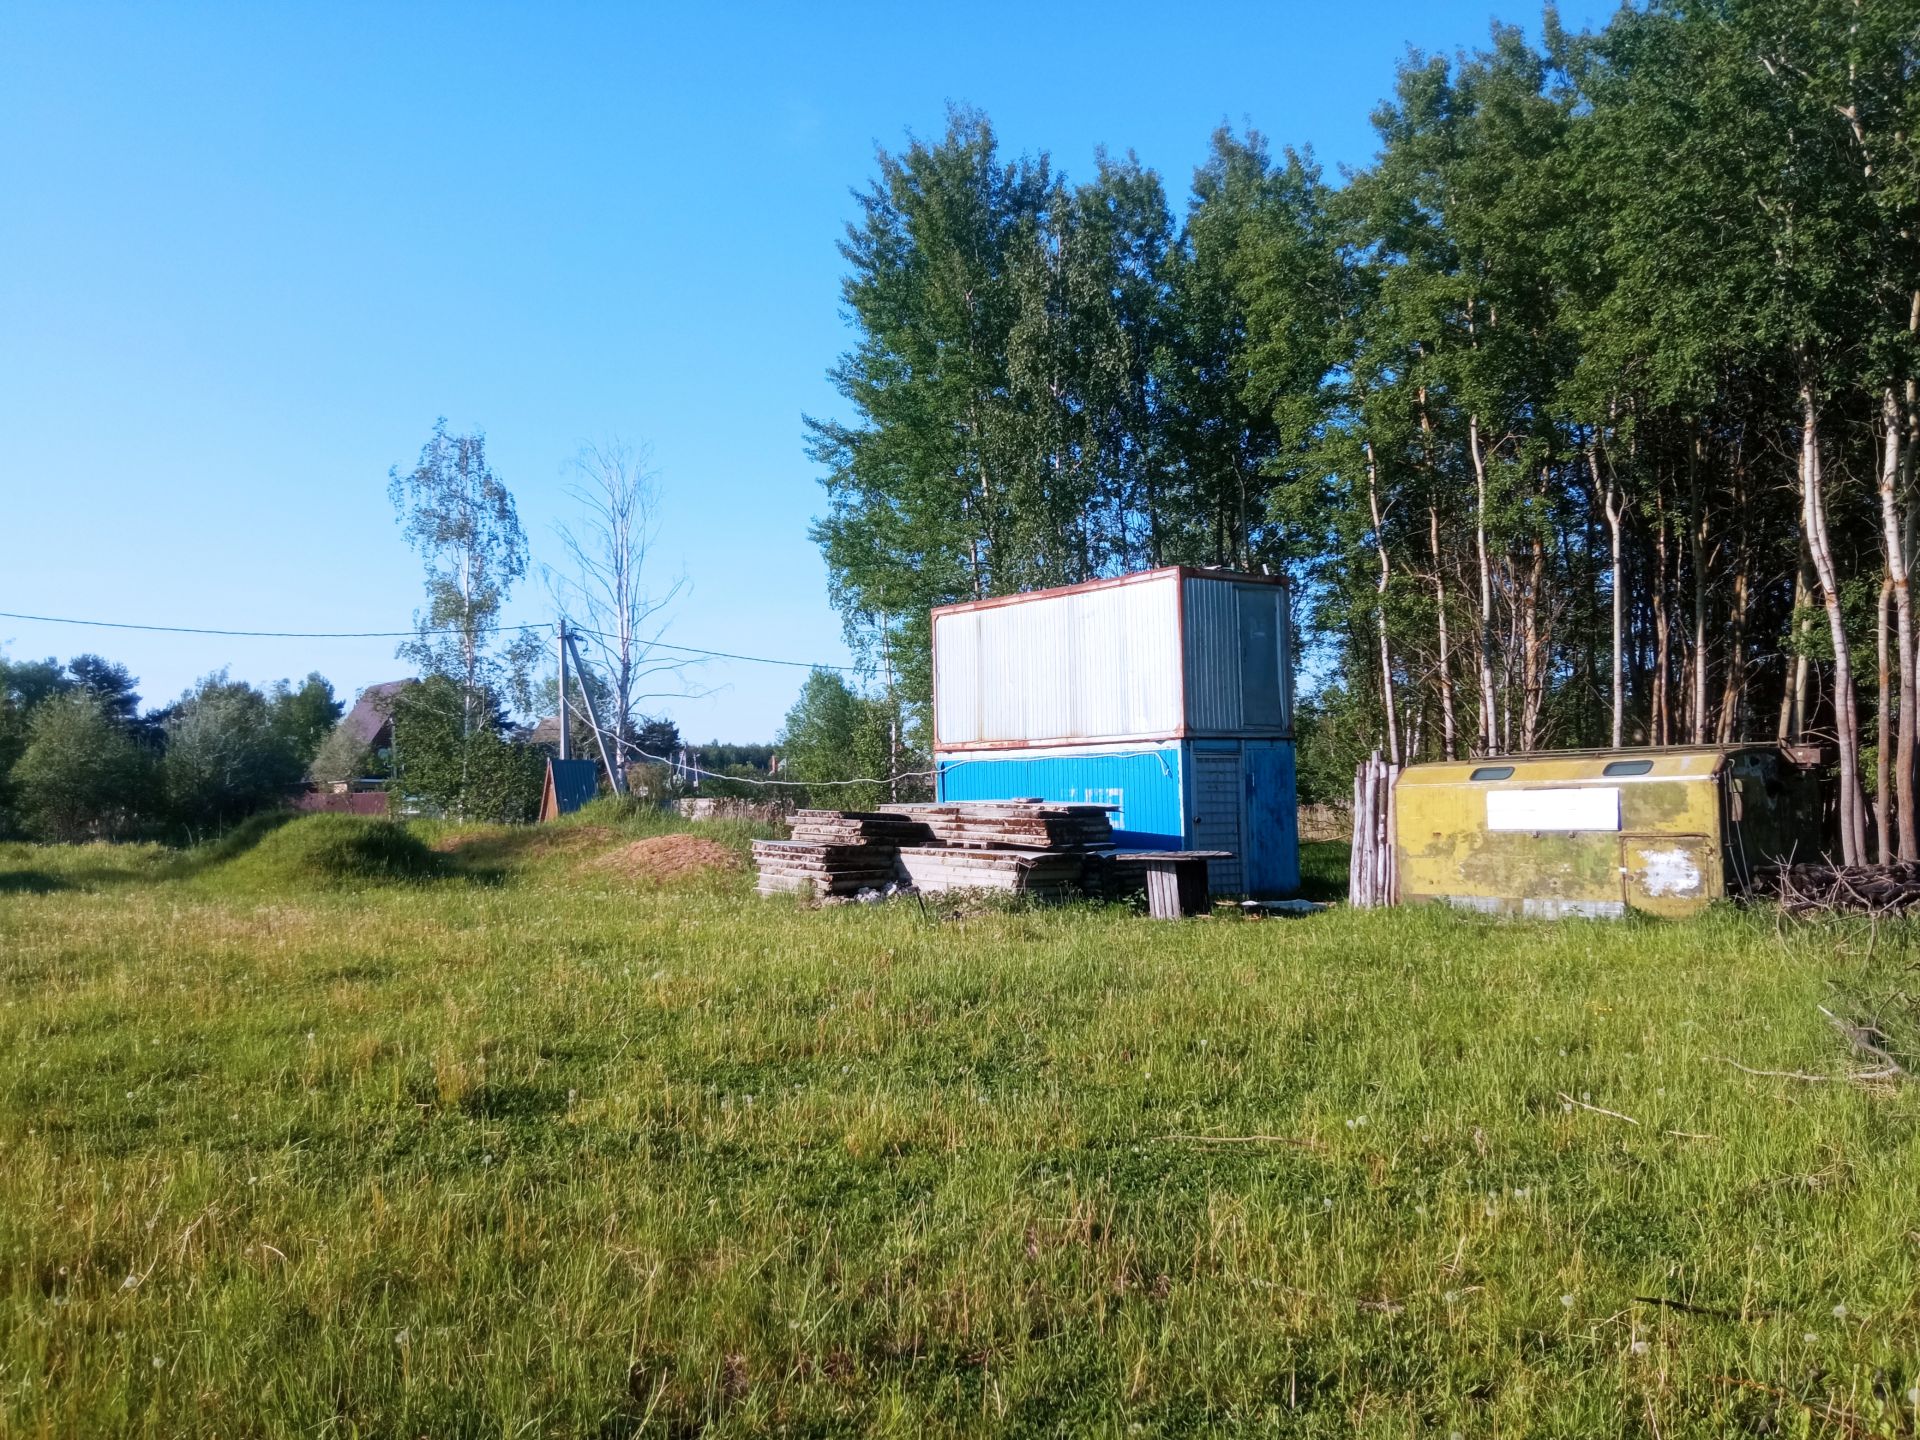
(523, 840)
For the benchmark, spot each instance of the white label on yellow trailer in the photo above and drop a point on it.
(1584, 807)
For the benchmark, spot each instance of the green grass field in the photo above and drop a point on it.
(520, 1145)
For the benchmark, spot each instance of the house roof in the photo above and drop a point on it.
(372, 713)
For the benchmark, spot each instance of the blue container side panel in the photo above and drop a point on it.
(1144, 784)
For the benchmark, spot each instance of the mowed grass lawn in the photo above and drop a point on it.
(545, 1149)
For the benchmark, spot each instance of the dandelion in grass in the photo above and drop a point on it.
(402, 1337)
(1639, 1347)
(158, 1363)
(1811, 1338)
(1566, 1302)
(132, 1282)
(1840, 1312)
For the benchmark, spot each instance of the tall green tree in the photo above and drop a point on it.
(460, 518)
(840, 744)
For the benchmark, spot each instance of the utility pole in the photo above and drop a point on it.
(566, 730)
(615, 779)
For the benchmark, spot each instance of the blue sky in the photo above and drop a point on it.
(249, 253)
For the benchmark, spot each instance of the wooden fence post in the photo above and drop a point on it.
(1371, 877)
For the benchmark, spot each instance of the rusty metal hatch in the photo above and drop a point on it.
(1666, 874)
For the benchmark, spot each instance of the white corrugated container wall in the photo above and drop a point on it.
(1102, 663)
(1239, 672)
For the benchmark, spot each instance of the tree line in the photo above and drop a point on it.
(1585, 414)
(79, 760)
(467, 735)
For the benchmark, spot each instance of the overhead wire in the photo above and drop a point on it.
(412, 634)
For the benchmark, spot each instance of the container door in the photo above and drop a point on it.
(1273, 852)
(1667, 874)
(1217, 793)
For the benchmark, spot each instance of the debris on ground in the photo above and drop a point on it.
(666, 857)
(1809, 889)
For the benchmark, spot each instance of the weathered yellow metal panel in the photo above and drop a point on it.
(1665, 853)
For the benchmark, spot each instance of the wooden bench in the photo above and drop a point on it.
(1176, 880)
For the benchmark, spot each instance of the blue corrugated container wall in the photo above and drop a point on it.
(1228, 795)
(1167, 695)
(1144, 784)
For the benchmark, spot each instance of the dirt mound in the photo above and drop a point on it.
(666, 857)
(327, 850)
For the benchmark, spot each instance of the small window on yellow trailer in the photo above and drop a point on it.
(1599, 832)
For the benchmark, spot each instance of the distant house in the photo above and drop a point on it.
(340, 800)
(371, 719)
(545, 733)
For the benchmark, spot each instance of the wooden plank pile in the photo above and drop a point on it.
(1862, 889)
(1016, 824)
(836, 852)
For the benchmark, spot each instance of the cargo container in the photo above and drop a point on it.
(1166, 694)
(1600, 832)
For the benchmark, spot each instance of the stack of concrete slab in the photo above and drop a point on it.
(1018, 845)
(836, 852)
(859, 827)
(826, 869)
(1050, 874)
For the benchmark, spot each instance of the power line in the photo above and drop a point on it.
(711, 654)
(404, 635)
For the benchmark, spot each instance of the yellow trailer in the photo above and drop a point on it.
(1599, 832)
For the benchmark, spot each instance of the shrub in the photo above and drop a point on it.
(81, 776)
(453, 754)
(225, 757)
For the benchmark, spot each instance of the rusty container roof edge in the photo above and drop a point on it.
(1447, 772)
(1136, 577)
